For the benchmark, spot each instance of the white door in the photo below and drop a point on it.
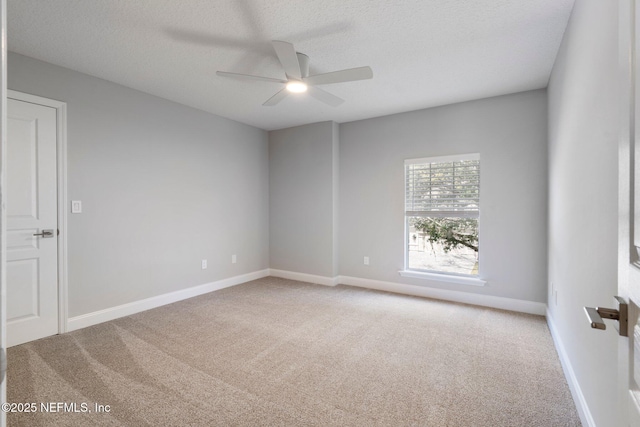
(32, 222)
(629, 210)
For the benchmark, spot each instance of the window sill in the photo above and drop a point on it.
(461, 280)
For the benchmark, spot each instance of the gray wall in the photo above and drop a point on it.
(163, 186)
(583, 150)
(302, 190)
(509, 132)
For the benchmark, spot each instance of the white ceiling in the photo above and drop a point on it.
(423, 53)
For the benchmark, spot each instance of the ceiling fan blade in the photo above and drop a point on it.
(352, 74)
(249, 77)
(323, 96)
(276, 98)
(288, 58)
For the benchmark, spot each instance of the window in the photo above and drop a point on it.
(442, 209)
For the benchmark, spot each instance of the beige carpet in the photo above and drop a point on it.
(275, 352)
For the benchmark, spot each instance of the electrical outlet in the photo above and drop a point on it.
(234, 259)
(366, 260)
(204, 264)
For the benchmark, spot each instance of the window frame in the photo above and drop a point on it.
(447, 276)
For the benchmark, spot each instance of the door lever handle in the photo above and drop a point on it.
(594, 318)
(596, 315)
(44, 234)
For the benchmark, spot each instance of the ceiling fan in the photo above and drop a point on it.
(296, 68)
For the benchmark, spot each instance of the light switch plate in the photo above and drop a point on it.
(76, 206)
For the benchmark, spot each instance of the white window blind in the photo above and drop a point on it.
(443, 186)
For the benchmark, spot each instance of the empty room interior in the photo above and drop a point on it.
(350, 213)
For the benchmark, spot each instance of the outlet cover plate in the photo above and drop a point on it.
(76, 206)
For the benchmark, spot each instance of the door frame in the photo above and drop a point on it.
(628, 203)
(61, 165)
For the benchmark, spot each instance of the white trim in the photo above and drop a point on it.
(304, 277)
(34, 99)
(574, 386)
(63, 257)
(61, 166)
(452, 158)
(3, 198)
(502, 303)
(441, 277)
(89, 319)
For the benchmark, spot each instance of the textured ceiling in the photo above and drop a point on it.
(423, 53)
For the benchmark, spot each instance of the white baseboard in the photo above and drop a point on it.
(574, 386)
(304, 277)
(89, 319)
(521, 306)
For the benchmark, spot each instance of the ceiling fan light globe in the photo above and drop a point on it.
(296, 87)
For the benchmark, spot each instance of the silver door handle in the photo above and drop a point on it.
(45, 234)
(595, 316)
